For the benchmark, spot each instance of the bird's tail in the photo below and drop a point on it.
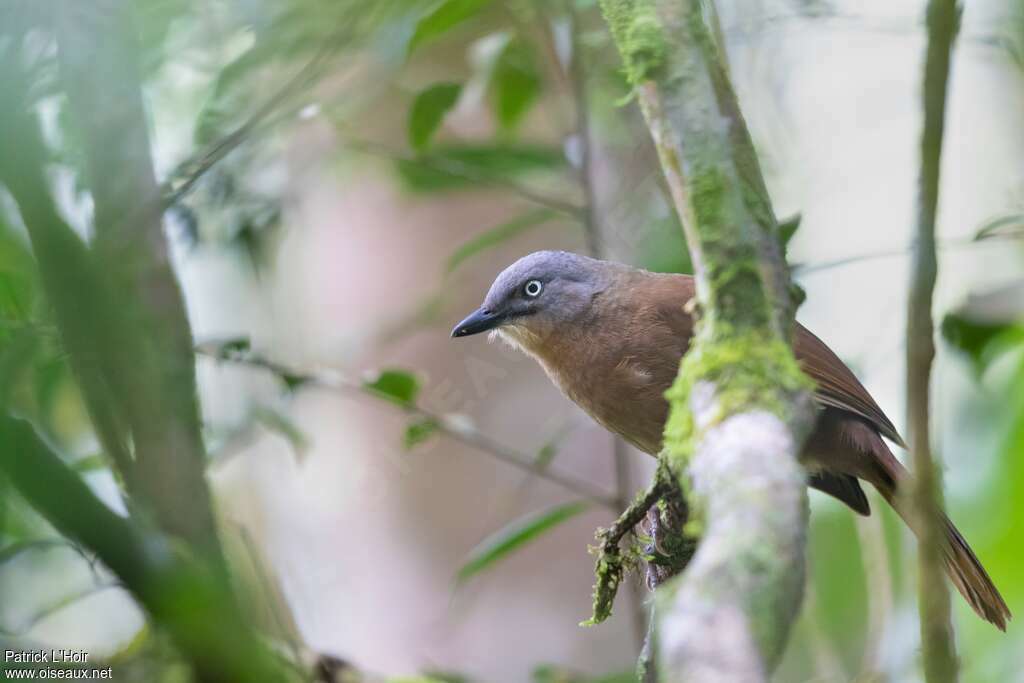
(971, 579)
(961, 564)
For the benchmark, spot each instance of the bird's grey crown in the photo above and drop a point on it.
(547, 266)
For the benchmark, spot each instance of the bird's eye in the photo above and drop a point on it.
(532, 288)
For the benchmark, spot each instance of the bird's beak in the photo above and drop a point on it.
(476, 322)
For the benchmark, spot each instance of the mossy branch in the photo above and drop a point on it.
(740, 407)
(611, 565)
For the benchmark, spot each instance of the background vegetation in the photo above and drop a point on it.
(336, 183)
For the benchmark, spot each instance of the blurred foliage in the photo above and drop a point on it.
(450, 167)
(428, 110)
(237, 81)
(516, 83)
(553, 674)
(398, 386)
(418, 432)
(498, 235)
(443, 17)
(518, 533)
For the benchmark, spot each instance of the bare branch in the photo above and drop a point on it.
(453, 428)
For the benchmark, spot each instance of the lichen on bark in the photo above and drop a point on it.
(747, 368)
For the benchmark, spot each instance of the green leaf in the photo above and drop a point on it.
(498, 235)
(442, 18)
(460, 166)
(1011, 226)
(981, 341)
(515, 83)
(503, 542)
(987, 324)
(428, 111)
(419, 431)
(788, 228)
(397, 386)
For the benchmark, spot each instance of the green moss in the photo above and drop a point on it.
(708, 194)
(639, 35)
(608, 571)
(749, 368)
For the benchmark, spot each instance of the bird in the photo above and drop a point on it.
(611, 337)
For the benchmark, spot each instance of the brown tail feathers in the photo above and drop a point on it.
(963, 567)
(971, 579)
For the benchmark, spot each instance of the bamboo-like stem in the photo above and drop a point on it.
(940, 665)
(149, 361)
(182, 595)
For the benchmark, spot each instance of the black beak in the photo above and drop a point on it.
(476, 322)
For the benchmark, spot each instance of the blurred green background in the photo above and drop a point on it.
(346, 178)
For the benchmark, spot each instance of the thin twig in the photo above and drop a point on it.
(953, 243)
(939, 653)
(635, 512)
(610, 566)
(452, 427)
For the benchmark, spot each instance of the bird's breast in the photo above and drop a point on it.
(619, 389)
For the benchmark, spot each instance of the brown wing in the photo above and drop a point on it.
(837, 385)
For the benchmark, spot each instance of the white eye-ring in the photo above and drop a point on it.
(532, 288)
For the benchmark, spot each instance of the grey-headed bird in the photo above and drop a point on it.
(611, 338)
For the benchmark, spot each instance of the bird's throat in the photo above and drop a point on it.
(519, 337)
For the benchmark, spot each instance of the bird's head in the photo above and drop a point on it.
(537, 294)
